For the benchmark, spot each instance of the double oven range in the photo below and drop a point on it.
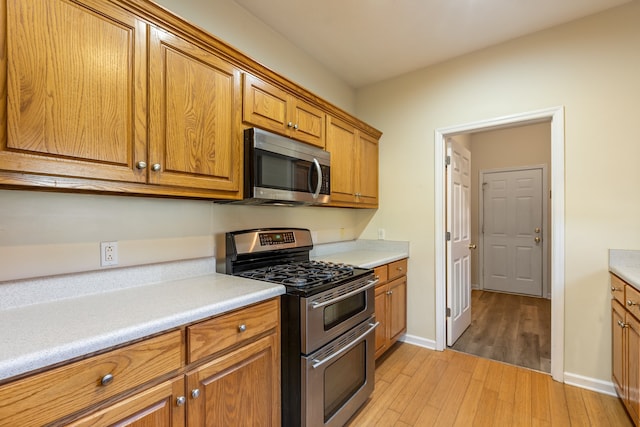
(327, 324)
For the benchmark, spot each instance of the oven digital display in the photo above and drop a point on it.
(268, 239)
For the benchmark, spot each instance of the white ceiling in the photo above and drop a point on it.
(365, 41)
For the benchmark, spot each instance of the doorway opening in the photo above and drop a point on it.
(556, 118)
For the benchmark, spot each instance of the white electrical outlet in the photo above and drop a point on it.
(108, 253)
(381, 234)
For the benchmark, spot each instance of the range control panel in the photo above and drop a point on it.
(270, 239)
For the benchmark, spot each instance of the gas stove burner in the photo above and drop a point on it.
(295, 281)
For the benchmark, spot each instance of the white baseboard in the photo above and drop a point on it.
(419, 341)
(475, 286)
(605, 387)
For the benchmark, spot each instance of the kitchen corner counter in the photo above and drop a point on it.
(39, 335)
(626, 265)
(361, 253)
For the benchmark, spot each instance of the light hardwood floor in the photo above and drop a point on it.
(509, 328)
(420, 387)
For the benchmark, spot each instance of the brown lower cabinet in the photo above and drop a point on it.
(625, 339)
(149, 383)
(391, 304)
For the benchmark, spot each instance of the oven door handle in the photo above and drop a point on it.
(353, 343)
(370, 284)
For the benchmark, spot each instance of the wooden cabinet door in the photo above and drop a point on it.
(195, 134)
(341, 143)
(155, 407)
(241, 388)
(264, 105)
(308, 123)
(382, 342)
(75, 81)
(367, 170)
(633, 367)
(619, 357)
(397, 308)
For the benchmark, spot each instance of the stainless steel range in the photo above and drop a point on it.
(328, 323)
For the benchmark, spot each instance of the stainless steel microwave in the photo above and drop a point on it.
(282, 171)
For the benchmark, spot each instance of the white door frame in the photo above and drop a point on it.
(545, 213)
(556, 116)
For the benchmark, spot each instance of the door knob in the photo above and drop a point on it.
(472, 246)
(537, 239)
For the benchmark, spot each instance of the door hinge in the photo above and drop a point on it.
(447, 236)
(448, 311)
(447, 161)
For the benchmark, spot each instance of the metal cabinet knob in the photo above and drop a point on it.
(242, 328)
(290, 124)
(181, 400)
(630, 303)
(622, 325)
(537, 230)
(614, 289)
(106, 380)
(537, 239)
(195, 393)
(156, 167)
(295, 126)
(472, 246)
(141, 165)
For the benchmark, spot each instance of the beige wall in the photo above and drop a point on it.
(503, 148)
(55, 233)
(590, 67)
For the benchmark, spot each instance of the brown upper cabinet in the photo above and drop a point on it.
(354, 165)
(271, 108)
(122, 96)
(77, 81)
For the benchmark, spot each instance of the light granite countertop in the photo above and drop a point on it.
(38, 335)
(362, 253)
(626, 265)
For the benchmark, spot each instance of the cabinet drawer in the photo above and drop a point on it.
(397, 269)
(617, 289)
(212, 336)
(381, 273)
(632, 300)
(46, 397)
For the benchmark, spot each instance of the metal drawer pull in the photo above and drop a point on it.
(346, 348)
(630, 303)
(622, 325)
(106, 380)
(614, 289)
(181, 400)
(242, 328)
(195, 393)
(371, 284)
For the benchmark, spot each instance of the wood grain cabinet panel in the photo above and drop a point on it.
(390, 304)
(75, 88)
(46, 397)
(194, 124)
(212, 336)
(625, 346)
(241, 388)
(155, 407)
(271, 108)
(354, 165)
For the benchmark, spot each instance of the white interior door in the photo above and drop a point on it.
(458, 246)
(512, 231)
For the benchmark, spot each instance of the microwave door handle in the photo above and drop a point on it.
(319, 185)
(353, 343)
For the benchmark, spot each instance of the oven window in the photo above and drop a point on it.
(343, 378)
(342, 310)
